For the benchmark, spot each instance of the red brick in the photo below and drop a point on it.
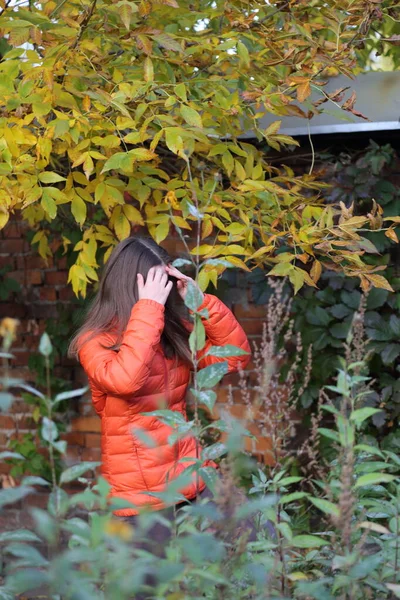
(45, 311)
(74, 438)
(21, 358)
(34, 277)
(4, 470)
(252, 311)
(92, 454)
(62, 263)
(7, 261)
(74, 454)
(38, 500)
(252, 326)
(87, 424)
(6, 422)
(56, 277)
(19, 276)
(35, 262)
(16, 311)
(48, 294)
(65, 294)
(92, 440)
(13, 229)
(12, 246)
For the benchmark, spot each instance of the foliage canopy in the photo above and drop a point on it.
(121, 114)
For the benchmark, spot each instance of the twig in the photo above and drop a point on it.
(84, 24)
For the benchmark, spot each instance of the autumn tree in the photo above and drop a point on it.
(117, 114)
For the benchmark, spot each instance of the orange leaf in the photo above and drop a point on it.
(303, 91)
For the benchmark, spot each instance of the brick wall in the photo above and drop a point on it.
(44, 294)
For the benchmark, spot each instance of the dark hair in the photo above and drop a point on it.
(118, 292)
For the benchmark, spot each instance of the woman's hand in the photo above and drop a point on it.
(183, 281)
(157, 286)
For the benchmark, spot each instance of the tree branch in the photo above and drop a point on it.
(84, 24)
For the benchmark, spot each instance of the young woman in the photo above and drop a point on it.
(134, 347)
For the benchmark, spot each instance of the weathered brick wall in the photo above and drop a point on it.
(44, 291)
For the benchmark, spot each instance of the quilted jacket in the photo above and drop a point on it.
(138, 378)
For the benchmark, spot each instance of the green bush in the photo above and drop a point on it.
(335, 527)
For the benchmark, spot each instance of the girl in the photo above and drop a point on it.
(134, 347)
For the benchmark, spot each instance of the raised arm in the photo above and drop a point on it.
(125, 371)
(222, 329)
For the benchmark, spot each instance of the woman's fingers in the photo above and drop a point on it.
(140, 281)
(177, 274)
(151, 274)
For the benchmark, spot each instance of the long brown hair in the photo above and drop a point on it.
(118, 292)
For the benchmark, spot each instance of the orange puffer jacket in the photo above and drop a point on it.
(138, 379)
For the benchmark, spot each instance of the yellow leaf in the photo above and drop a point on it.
(206, 228)
(296, 277)
(273, 128)
(316, 271)
(88, 166)
(191, 116)
(261, 251)
(392, 235)
(379, 281)
(172, 200)
(78, 278)
(122, 226)
(237, 262)
(180, 222)
(148, 69)
(303, 91)
(227, 161)
(86, 104)
(4, 216)
(78, 209)
(239, 170)
(142, 154)
(203, 280)
(161, 232)
(132, 214)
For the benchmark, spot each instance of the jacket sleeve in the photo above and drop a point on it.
(125, 371)
(223, 329)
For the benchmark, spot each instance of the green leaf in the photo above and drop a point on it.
(361, 414)
(180, 91)
(50, 177)
(214, 451)
(211, 375)
(225, 351)
(49, 430)
(287, 498)
(390, 353)
(77, 471)
(197, 338)
(119, 160)
(194, 297)
(11, 495)
(48, 203)
(8, 454)
(19, 535)
(34, 480)
(45, 346)
(71, 394)
(327, 507)
(169, 417)
(329, 433)
(29, 555)
(206, 397)
(191, 116)
(308, 541)
(6, 400)
(374, 479)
